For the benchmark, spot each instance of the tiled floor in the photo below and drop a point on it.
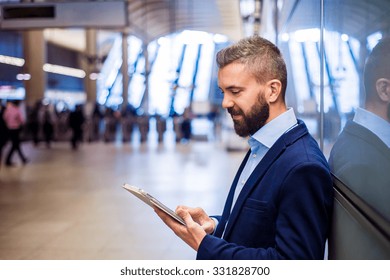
(68, 204)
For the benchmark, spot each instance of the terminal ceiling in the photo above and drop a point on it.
(151, 19)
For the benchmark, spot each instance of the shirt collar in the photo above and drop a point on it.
(375, 124)
(269, 133)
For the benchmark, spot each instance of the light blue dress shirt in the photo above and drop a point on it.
(261, 142)
(375, 124)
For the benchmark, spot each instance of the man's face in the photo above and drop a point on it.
(244, 98)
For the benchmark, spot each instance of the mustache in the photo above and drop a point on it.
(235, 111)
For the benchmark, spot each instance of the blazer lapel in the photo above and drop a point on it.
(228, 204)
(274, 153)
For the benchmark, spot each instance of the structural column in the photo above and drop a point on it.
(92, 65)
(34, 49)
(125, 70)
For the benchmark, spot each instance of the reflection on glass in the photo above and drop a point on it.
(341, 79)
(361, 155)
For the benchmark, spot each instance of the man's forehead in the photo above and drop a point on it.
(235, 65)
(234, 76)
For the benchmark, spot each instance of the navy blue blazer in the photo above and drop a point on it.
(284, 209)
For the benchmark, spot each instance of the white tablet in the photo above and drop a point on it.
(152, 202)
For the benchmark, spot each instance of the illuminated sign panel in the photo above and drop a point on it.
(63, 14)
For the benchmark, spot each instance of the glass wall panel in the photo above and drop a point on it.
(357, 129)
(337, 54)
(299, 39)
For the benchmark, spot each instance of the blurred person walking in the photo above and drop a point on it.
(14, 121)
(48, 125)
(76, 121)
(3, 132)
(34, 123)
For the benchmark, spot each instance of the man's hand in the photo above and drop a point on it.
(198, 224)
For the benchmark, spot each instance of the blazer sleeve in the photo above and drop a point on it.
(301, 225)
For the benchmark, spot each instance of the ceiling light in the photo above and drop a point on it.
(63, 70)
(16, 61)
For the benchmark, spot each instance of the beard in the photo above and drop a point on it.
(253, 121)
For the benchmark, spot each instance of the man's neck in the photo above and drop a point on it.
(379, 110)
(276, 110)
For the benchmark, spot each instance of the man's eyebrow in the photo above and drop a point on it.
(233, 87)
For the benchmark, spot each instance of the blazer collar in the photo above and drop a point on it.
(365, 134)
(273, 154)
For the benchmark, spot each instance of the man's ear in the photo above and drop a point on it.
(383, 89)
(275, 89)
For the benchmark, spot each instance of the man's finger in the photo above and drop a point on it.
(182, 212)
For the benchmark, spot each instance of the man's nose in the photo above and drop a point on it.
(227, 102)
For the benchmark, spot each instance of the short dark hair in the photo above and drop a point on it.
(377, 66)
(262, 58)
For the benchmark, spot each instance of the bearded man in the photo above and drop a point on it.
(280, 202)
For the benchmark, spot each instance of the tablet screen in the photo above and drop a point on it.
(151, 201)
